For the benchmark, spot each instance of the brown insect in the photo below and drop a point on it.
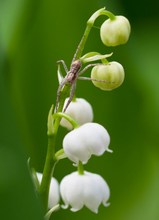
(71, 77)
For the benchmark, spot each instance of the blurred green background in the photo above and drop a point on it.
(34, 34)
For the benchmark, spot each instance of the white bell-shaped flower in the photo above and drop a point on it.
(89, 139)
(88, 190)
(54, 194)
(80, 110)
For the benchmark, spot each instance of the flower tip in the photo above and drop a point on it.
(106, 204)
(95, 211)
(64, 206)
(75, 164)
(109, 150)
(74, 209)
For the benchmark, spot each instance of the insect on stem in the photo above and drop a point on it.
(70, 79)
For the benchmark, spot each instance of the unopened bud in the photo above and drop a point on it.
(115, 32)
(112, 75)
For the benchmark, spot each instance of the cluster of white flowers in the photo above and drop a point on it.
(85, 137)
(79, 189)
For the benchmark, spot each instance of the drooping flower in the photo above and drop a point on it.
(88, 190)
(112, 74)
(80, 110)
(54, 194)
(116, 31)
(89, 139)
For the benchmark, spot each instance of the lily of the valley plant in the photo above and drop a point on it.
(85, 137)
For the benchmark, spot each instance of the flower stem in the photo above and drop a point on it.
(109, 14)
(67, 117)
(50, 155)
(47, 172)
(81, 45)
(89, 26)
(80, 168)
(63, 96)
(53, 125)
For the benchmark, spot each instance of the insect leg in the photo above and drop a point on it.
(59, 92)
(97, 80)
(64, 65)
(87, 67)
(72, 92)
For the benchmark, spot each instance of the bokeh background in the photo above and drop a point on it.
(34, 34)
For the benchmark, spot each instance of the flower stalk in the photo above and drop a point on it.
(53, 126)
(48, 171)
(80, 168)
(67, 117)
(49, 163)
(89, 26)
(87, 138)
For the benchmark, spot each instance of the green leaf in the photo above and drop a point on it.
(94, 56)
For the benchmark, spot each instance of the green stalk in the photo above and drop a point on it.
(54, 125)
(89, 26)
(50, 155)
(109, 14)
(81, 45)
(67, 117)
(47, 172)
(80, 168)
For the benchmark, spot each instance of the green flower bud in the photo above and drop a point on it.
(112, 75)
(115, 32)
